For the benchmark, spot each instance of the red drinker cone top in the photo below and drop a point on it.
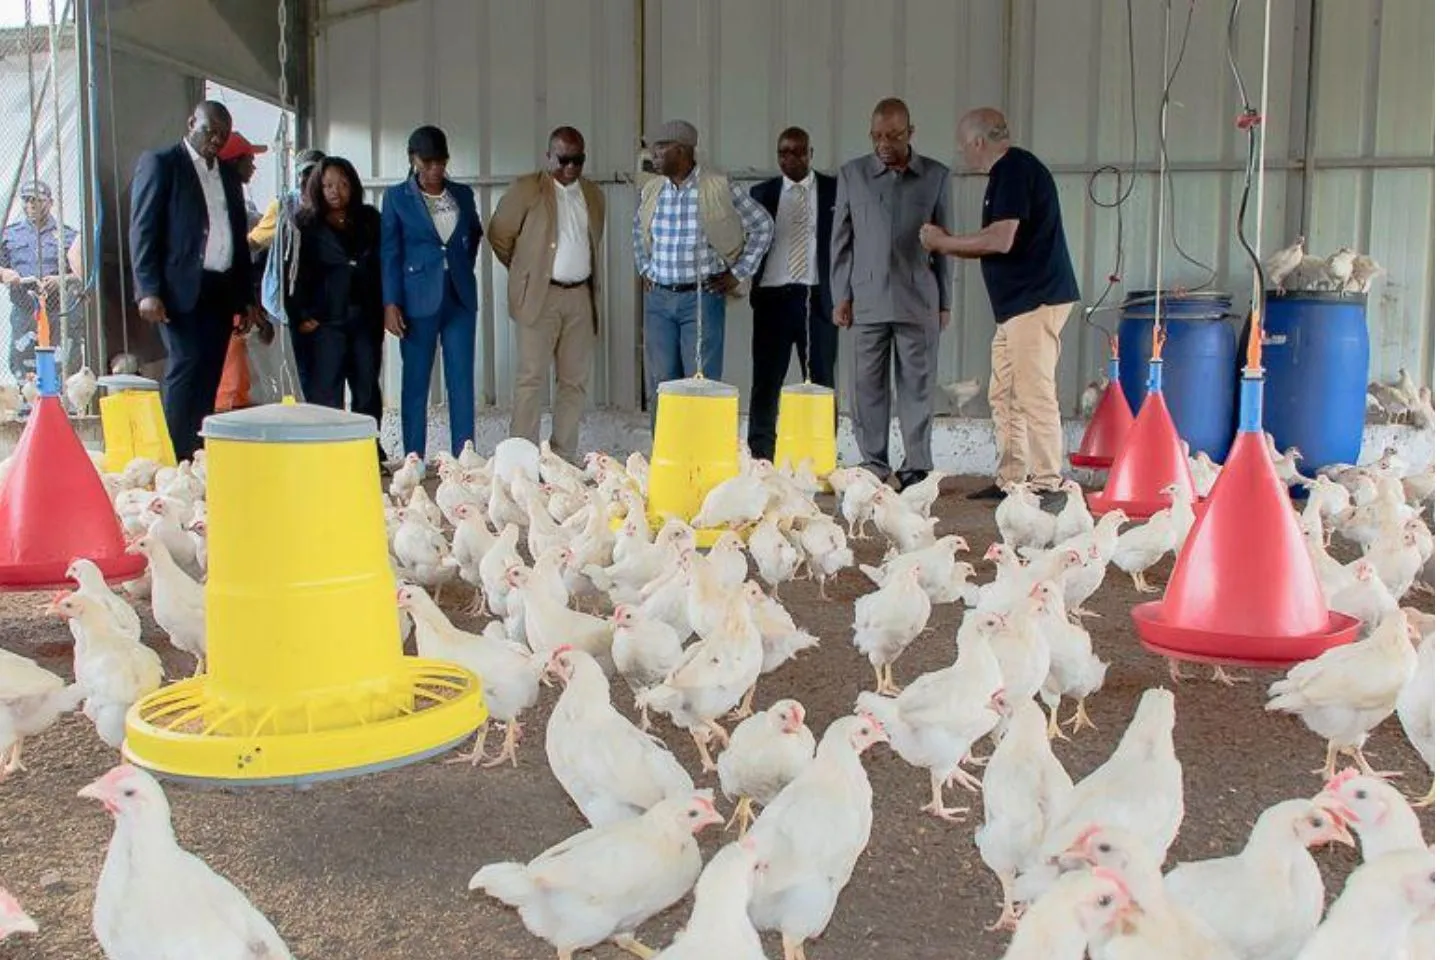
(1244, 590)
(53, 505)
(1108, 427)
(1149, 461)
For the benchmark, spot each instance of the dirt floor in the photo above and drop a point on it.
(377, 867)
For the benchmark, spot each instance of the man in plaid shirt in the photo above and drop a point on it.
(696, 236)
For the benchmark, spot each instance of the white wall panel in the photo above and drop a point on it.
(498, 75)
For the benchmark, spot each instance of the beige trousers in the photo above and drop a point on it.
(565, 334)
(1023, 356)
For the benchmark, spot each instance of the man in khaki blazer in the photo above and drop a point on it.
(547, 231)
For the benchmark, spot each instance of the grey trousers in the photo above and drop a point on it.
(912, 349)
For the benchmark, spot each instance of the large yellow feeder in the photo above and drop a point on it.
(133, 422)
(806, 429)
(307, 678)
(697, 430)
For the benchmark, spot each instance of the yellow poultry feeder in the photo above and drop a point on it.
(697, 430)
(306, 677)
(806, 429)
(133, 422)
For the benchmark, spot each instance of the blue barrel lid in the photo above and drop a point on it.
(1219, 297)
(117, 382)
(698, 387)
(289, 423)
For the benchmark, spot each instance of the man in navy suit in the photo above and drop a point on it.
(191, 265)
(791, 301)
(429, 238)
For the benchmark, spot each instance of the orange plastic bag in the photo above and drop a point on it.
(234, 392)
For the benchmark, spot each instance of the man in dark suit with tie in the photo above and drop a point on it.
(791, 298)
(191, 265)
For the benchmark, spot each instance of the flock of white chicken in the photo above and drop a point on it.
(692, 637)
(1292, 270)
(79, 389)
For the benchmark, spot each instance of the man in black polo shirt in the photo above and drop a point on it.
(1028, 274)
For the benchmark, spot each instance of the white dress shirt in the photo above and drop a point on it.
(777, 261)
(219, 245)
(572, 234)
(444, 213)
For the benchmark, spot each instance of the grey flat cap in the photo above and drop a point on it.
(674, 131)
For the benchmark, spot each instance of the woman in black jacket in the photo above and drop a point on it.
(336, 309)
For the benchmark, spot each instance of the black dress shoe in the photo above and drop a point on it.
(991, 492)
(908, 478)
(1053, 501)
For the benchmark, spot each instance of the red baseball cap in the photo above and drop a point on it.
(237, 146)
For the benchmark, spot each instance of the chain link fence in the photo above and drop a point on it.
(43, 250)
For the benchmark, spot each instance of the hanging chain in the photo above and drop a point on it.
(282, 16)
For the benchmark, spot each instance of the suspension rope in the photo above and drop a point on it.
(1157, 332)
(62, 250)
(1252, 121)
(700, 240)
(120, 246)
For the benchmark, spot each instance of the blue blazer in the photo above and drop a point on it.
(169, 226)
(414, 265)
(767, 194)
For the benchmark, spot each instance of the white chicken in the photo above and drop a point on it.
(733, 503)
(812, 834)
(407, 477)
(822, 545)
(422, 551)
(1348, 690)
(509, 674)
(1074, 519)
(1283, 262)
(1021, 521)
(766, 752)
(495, 564)
(719, 926)
(1415, 707)
(1140, 787)
(80, 389)
(113, 669)
(1383, 900)
(1081, 906)
(1203, 473)
(1362, 594)
(937, 566)
(961, 393)
(644, 651)
(907, 530)
(920, 497)
(781, 639)
(937, 719)
(472, 541)
(31, 700)
(154, 899)
(712, 678)
(855, 491)
(92, 584)
(549, 624)
(776, 558)
(177, 602)
(1024, 789)
(888, 621)
(610, 769)
(573, 897)
(1140, 548)
(1267, 900)
(1075, 671)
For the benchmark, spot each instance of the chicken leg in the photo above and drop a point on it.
(885, 681)
(1176, 673)
(965, 778)
(629, 944)
(507, 747)
(477, 754)
(936, 807)
(1332, 749)
(1429, 799)
(12, 760)
(794, 949)
(746, 707)
(1140, 584)
(199, 666)
(743, 815)
(1053, 729)
(1081, 718)
(1009, 917)
(1080, 613)
(1358, 755)
(1220, 676)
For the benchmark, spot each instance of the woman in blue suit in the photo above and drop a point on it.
(430, 236)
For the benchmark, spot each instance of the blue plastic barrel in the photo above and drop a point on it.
(1199, 355)
(1316, 355)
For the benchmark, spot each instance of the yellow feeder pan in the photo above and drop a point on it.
(307, 679)
(133, 422)
(806, 429)
(697, 436)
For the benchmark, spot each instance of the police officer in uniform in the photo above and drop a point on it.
(31, 267)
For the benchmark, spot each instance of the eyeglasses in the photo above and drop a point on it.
(575, 160)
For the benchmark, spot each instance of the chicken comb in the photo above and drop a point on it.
(1110, 876)
(563, 648)
(1340, 779)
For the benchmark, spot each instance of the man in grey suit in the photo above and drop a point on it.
(894, 292)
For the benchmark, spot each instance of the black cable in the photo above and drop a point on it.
(1113, 277)
(1250, 121)
(1168, 187)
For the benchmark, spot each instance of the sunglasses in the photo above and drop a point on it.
(574, 160)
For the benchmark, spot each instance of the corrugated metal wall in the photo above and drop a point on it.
(1350, 138)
